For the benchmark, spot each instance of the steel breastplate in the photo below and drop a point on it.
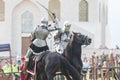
(41, 33)
(40, 37)
(64, 36)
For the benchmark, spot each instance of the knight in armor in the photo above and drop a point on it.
(38, 39)
(63, 36)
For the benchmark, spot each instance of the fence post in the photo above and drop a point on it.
(101, 68)
(112, 65)
(108, 76)
(93, 75)
(117, 62)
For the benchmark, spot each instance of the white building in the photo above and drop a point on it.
(19, 17)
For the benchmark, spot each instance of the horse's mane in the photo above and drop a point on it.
(70, 41)
(69, 46)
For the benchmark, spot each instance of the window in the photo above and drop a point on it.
(106, 15)
(27, 22)
(83, 11)
(2, 10)
(54, 6)
(99, 12)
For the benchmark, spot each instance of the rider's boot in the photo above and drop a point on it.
(28, 55)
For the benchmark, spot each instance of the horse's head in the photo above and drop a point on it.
(81, 39)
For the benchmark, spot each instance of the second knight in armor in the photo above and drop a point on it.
(63, 36)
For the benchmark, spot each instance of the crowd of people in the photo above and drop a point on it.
(7, 68)
(101, 63)
(16, 69)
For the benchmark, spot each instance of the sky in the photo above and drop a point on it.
(114, 21)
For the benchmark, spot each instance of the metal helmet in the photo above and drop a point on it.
(44, 20)
(67, 25)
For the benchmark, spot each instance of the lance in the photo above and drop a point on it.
(49, 12)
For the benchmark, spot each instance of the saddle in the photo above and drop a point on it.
(33, 61)
(41, 56)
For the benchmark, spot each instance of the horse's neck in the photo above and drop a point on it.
(76, 49)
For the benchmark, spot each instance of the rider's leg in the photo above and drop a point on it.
(27, 57)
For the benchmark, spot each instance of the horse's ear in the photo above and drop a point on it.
(79, 33)
(73, 32)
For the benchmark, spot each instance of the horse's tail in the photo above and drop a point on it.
(74, 73)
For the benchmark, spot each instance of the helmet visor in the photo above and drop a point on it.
(67, 28)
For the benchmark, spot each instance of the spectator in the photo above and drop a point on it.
(85, 68)
(117, 47)
(103, 57)
(22, 75)
(0, 66)
(95, 59)
(119, 70)
(91, 69)
(112, 57)
(6, 68)
(15, 69)
(94, 54)
(1, 74)
(104, 68)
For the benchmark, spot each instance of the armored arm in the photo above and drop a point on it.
(70, 35)
(55, 21)
(54, 26)
(33, 37)
(58, 35)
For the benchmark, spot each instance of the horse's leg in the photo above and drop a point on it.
(51, 70)
(43, 77)
(81, 65)
(67, 75)
(77, 64)
(37, 76)
(39, 72)
(50, 76)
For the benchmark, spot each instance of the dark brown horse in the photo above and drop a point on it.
(73, 50)
(51, 62)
